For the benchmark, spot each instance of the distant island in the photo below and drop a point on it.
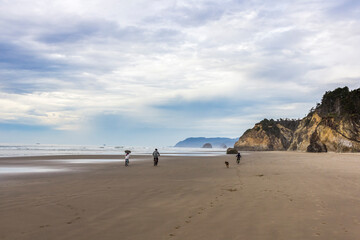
(333, 125)
(198, 142)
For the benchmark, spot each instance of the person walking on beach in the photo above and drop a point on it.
(156, 155)
(127, 159)
(238, 156)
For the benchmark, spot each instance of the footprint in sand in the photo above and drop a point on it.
(44, 226)
(232, 189)
(76, 219)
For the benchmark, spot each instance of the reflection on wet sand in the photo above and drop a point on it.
(24, 169)
(93, 160)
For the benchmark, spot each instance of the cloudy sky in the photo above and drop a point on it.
(151, 73)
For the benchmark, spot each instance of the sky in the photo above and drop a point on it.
(152, 73)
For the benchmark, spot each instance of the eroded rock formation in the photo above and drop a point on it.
(334, 125)
(268, 135)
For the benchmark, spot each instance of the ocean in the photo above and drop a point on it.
(16, 150)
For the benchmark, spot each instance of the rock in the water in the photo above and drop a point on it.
(207, 145)
(231, 151)
(223, 145)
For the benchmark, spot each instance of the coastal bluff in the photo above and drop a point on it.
(268, 135)
(333, 125)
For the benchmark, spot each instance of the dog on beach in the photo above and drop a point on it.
(227, 164)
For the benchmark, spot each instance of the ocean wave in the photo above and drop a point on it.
(43, 150)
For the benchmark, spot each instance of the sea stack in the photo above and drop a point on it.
(207, 145)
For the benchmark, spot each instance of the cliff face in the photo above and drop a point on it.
(334, 125)
(322, 134)
(268, 135)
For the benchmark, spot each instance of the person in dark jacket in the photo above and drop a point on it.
(156, 155)
(238, 156)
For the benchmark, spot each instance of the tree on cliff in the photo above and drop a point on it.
(340, 102)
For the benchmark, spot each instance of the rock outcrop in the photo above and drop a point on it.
(334, 125)
(231, 151)
(268, 135)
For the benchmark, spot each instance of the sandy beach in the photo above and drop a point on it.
(270, 195)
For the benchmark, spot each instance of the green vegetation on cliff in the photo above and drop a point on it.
(340, 102)
(271, 126)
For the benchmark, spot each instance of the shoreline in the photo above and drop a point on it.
(65, 156)
(172, 154)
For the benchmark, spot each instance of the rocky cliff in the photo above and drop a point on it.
(318, 133)
(268, 135)
(334, 125)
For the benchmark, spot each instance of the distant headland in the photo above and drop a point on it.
(198, 142)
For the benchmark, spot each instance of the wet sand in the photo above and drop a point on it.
(270, 195)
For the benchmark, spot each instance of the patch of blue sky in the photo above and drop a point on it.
(86, 31)
(100, 32)
(19, 88)
(21, 81)
(23, 127)
(191, 15)
(19, 57)
(206, 108)
(118, 129)
(67, 37)
(346, 9)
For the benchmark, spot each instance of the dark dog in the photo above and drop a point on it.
(227, 164)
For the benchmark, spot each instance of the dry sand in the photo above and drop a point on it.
(270, 195)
